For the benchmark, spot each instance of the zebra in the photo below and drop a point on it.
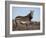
(23, 20)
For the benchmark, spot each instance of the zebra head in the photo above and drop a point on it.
(30, 15)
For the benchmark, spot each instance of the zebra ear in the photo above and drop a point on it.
(32, 13)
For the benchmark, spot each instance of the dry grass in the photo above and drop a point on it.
(28, 26)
